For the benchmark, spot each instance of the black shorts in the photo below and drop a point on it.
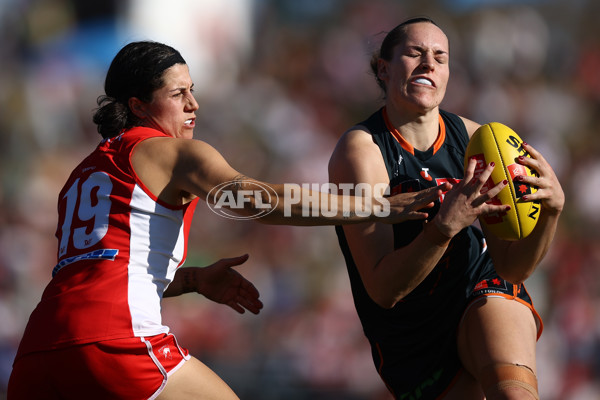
(439, 369)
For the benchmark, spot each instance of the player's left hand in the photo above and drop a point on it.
(220, 283)
(549, 193)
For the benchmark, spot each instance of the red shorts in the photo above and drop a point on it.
(131, 368)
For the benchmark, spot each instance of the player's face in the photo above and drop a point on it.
(173, 106)
(417, 75)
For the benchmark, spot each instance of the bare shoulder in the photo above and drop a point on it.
(357, 158)
(156, 150)
(153, 160)
(357, 135)
(174, 168)
(471, 126)
(168, 153)
(354, 142)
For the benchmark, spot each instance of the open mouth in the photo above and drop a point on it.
(189, 122)
(424, 81)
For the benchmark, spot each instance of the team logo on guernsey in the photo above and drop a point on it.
(425, 174)
(397, 166)
(409, 186)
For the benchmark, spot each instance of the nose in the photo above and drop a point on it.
(427, 62)
(192, 104)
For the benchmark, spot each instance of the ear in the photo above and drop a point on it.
(137, 107)
(382, 69)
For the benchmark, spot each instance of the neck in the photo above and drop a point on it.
(421, 131)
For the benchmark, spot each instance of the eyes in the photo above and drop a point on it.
(183, 92)
(441, 57)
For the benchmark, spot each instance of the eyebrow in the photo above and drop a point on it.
(421, 48)
(179, 88)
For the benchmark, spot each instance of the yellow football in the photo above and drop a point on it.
(499, 143)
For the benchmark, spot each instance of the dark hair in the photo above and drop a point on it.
(391, 40)
(136, 71)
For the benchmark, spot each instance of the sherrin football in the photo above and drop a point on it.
(498, 143)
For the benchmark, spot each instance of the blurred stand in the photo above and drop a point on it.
(278, 81)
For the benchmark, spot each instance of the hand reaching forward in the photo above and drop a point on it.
(218, 282)
(410, 206)
(222, 284)
(465, 202)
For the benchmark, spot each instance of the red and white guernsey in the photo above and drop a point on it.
(118, 249)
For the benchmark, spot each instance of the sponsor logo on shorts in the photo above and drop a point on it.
(165, 351)
(495, 285)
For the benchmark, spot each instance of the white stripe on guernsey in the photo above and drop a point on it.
(156, 249)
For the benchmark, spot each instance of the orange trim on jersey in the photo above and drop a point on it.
(405, 144)
(441, 136)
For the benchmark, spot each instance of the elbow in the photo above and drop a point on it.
(514, 275)
(512, 268)
(514, 280)
(386, 304)
(383, 291)
(384, 298)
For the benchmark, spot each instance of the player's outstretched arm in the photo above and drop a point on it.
(299, 205)
(199, 169)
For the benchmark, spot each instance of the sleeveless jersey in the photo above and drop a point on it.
(414, 343)
(118, 249)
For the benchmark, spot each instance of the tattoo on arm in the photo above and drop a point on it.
(189, 281)
(238, 182)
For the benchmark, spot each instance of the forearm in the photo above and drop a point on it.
(516, 261)
(184, 281)
(292, 204)
(520, 258)
(310, 206)
(398, 273)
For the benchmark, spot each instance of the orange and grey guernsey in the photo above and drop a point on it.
(118, 249)
(414, 343)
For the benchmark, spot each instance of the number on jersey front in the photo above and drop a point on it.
(87, 207)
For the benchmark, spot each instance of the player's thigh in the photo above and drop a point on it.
(194, 380)
(496, 330)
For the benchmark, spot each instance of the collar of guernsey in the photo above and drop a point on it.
(405, 144)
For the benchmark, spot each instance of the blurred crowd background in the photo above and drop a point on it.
(278, 81)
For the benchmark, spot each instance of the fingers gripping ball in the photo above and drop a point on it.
(498, 143)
